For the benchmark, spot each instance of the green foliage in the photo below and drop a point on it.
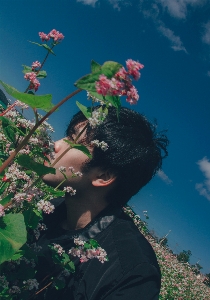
(87, 82)
(12, 235)
(10, 129)
(27, 162)
(80, 147)
(42, 102)
(85, 110)
(32, 217)
(44, 46)
(184, 256)
(94, 66)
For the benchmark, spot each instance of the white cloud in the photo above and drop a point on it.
(88, 2)
(164, 177)
(204, 187)
(206, 35)
(179, 8)
(176, 43)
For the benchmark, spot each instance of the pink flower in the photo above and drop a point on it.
(103, 85)
(132, 95)
(34, 82)
(56, 35)
(35, 65)
(44, 36)
(133, 68)
(2, 213)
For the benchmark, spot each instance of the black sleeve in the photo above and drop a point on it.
(142, 283)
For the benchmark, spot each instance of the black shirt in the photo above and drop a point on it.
(132, 271)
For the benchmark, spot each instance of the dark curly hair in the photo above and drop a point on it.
(135, 150)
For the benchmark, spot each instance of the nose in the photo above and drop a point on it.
(58, 145)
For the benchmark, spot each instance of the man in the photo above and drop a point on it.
(109, 180)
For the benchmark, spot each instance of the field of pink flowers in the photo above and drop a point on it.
(178, 280)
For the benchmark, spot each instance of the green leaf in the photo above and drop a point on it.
(85, 110)
(31, 218)
(18, 255)
(10, 133)
(88, 82)
(41, 74)
(53, 192)
(94, 243)
(27, 162)
(87, 246)
(10, 129)
(80, 147)
(12, 235)
(59, 284)
(70, 267)
(43, 101)
(26, 69)
(110, 68)
(48, 48)
(94, 66)
(7, 199)
(4, 187)
(43, 45)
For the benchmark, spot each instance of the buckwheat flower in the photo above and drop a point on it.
(78, 242)
(104, 146)
(35, 65)
(78, 174)
(34, 82)
(31, 284)
(62, 169)
(44, 36)
(14, 290)
(97, 118)
(103, 85)
(56, 35)
(70, 190)
(133, 68)
(2, 212)
(3, 282)
(21, 104)
(132, 95)
(71, 169)
(45, 206)
(58, 248)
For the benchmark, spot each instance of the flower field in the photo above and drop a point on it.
(179, 282)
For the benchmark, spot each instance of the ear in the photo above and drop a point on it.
(104, 178)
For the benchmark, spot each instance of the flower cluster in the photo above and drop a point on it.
(45, 206)
(87, 253)
(75, 174)
(40, 227)
(70, 190)
(35, 65)
(121, 83)
(2, 212)
(178, 279)
(104, 146)
(53, 34)
(34, 82)
(97, 118)
(58, 249)
(31, 284)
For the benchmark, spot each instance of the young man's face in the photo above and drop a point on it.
(73, 158)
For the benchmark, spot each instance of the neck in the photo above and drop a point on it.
(80, 212)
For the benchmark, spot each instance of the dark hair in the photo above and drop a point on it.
(135, 150)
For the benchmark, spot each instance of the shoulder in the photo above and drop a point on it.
(130, 247)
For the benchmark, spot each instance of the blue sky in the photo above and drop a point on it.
(172, 39)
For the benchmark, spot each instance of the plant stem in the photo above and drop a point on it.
(25, 140)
